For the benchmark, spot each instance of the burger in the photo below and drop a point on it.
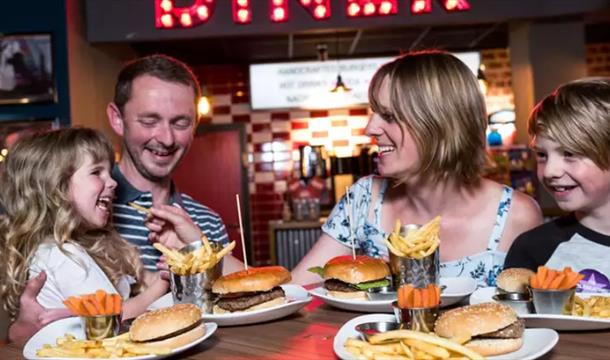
(349, 278)
(168, 328)
(514, 280)
(494, 328)
(252, 289)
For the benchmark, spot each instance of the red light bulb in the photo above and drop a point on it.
(353, 9)
(167, 20)
(186, 20)
(166, 5)
(243, 15)
(369, 8)
(202, 12)
(320, 11)
(279, 14)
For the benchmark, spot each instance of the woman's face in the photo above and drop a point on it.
(398, 154)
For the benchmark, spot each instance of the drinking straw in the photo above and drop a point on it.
(241, 231)
(349, 220)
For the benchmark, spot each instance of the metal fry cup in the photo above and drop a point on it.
(553, 301)
(418, 319)
(418, 272)
(101, 327)
(196, 288)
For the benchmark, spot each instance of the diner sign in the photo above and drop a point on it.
(308, 84)
(169, 15)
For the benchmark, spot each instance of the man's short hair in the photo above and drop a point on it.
(577, 116)
(160, 66)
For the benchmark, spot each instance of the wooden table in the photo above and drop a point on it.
(309, 335)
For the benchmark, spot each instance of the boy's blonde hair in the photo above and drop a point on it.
(438, 99)
(577, 116)
(35, 195)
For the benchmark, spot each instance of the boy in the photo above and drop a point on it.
(570, 130)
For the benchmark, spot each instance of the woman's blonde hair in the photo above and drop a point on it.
(437, 98)
(35, 196)
(577, 116)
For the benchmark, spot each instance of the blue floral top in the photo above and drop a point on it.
(369, 237)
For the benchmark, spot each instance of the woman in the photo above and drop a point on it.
(429, 121)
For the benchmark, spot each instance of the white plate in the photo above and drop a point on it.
(557, 322)
(50, 333)
(297, 298)
(536, 342)
(457, 289)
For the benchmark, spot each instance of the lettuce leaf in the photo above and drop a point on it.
(372, 284)
(317, 270)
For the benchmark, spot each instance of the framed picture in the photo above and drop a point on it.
(26, 69)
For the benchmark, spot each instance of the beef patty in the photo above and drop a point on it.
(512, 331)
(244, 300)
(338, 285)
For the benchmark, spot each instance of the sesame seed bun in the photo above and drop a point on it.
(477, 320)
(155, 328)
(514, 279)
(348, 295)
(362, 269)
(491, 347)
(254, 279)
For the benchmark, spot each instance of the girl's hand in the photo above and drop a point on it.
(171, 226)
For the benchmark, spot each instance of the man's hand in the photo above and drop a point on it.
(171, 226)
(32, 316)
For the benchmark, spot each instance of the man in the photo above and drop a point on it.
(155, 112)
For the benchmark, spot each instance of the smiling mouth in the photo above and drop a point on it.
(157, 152)
(562, 188)
(104, 203)
(384, 150)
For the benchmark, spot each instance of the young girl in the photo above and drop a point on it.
(57, 193)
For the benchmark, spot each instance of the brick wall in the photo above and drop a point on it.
(274, 136)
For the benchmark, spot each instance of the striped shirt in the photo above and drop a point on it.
(129, 222)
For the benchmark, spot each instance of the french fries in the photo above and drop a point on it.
(196, 261)
(594, 306)
(100, 303)
(549, 279)
(410, 297)
(116, 347)
(408, 344)
(418, 243)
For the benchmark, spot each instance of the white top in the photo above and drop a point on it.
(73, 275)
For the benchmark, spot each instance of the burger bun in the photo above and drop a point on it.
(355, 271)
(183, 320)
(491, 347)
(252, 280)
(514, 280)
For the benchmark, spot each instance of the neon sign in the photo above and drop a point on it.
(170, 16)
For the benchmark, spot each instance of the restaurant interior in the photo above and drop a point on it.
(284, 88)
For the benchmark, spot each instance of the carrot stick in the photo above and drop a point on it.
(99, 308)
(401, 297)
(117, 303)
(577, 280)
(71, 307)
(425, 298)
(542, 274)
(409, 296)
(109, 304)
(100, 298)
(555, 283)
(437, 295)
(534, 282)
(549, 278)
(77, 304)
(417, 298)
(89, 307)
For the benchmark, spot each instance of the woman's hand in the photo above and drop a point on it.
(171, 226)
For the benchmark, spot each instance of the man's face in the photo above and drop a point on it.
(158, 122)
